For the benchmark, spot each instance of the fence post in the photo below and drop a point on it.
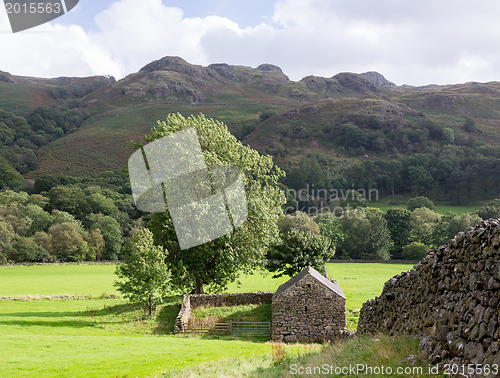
(231, 327)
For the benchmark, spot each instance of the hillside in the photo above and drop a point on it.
(340, 120)
(240, 96)
(19, 94)
(399, 121)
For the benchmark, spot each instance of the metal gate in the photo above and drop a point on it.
(231, 328)
(251, 329)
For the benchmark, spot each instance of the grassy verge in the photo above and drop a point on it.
(397, 355)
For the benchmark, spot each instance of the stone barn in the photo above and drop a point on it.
(308, 307)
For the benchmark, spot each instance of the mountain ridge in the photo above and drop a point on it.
(262, 107)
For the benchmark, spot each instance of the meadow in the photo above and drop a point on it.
(102, 335)
(399, 201)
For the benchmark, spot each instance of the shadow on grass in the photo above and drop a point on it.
(125, 313)
(48, 323)
(82, 318)
(114, 310)
(166, 318)
(47, 314)
(261, 313)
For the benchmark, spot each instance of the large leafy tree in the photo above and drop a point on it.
(423, 223)
(330, 226)
(300, 221)
(451, 224)
(220, 261)
(65, 198)
(111, 233)
(66, 238)
(7, 173)
(7, 238)
(398, 223)
(144, 276)
(366, 235)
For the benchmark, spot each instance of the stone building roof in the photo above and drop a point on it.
(316, 275)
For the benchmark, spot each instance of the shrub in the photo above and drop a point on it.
(490, 210)
(415, 203)
(353, 199)
(414, 251)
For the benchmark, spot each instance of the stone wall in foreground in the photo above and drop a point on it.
(451, 299)
(190, 301)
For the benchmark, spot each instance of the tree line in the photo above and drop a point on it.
(21, 137)
(361, 232)
(67, 219)
(457, 174)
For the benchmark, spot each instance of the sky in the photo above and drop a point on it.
(409, 42)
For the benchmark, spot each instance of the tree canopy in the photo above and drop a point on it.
(220, 261)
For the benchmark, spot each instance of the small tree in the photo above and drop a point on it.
(144, 276)
(398, 223)
(298, 250)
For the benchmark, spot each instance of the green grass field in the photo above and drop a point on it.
(440, 208)
(106, 337)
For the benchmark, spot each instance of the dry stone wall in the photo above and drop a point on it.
(450, 299)
(191, 301)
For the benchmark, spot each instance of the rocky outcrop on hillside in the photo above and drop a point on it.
(355, 82)
(174, 64)
(377, 79)
(272, 68)
(6, 77)
(173, 75)
(450, 298)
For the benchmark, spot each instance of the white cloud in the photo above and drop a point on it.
(51, 51)
(409, 42)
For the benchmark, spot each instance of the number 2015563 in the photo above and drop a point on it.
(39, 8)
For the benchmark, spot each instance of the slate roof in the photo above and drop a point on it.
(315, 274)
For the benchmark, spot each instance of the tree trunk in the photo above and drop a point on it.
(326, 273)
(151, 307)
(199, 285)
